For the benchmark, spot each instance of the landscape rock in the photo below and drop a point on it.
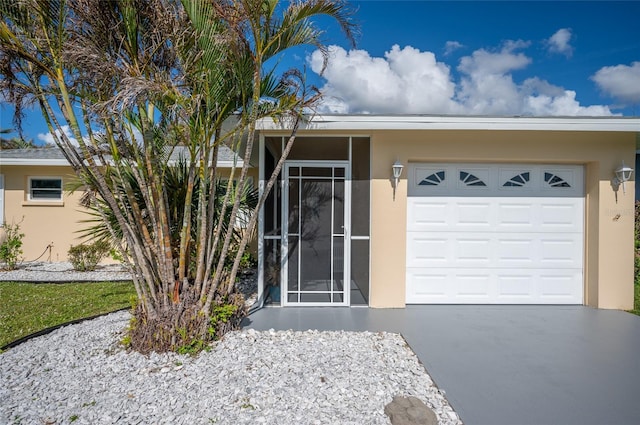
(409, 411)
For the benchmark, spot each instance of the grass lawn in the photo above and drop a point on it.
(27, 307)
(636, 300)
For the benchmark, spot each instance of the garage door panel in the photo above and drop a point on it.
(497, 250)
(558, 251)
(565, 215)
(474, 250)
(429, 251)
(560, 287)
(493, 286)
(429, 286)
(474, 285)
(520, 287)
(426, 214)
(473, 214)
(496, 234)
(515, 251)
(515, 215)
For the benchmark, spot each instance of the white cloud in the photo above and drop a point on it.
(620, 81)
(559, 42)
(410, 81)
(564, 105)
(487, 86)
(451, 46)
(404, 81)
(48, 139)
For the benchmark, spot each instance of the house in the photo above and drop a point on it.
(484, 210)
(33, 193)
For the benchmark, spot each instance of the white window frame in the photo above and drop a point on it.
(29, 189)
(1, 200)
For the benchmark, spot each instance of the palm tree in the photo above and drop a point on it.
(15, 142)
(133, 79)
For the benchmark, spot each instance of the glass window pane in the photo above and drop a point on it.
(338, 172)
(292, 298)
(45, 194)
(46, 183)
(45, 189)
(359, 272)
(294, 171)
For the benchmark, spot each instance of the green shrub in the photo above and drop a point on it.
(11, 248)
(85, 257)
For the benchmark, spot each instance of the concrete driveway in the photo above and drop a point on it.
(507, 365)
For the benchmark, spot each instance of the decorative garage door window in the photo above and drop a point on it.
(518, 180)
(555, 181)
(508, 180)
(470, 179)
(433, 179)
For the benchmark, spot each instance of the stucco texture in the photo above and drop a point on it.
(609, 217)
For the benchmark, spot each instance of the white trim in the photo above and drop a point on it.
(31, 161)
(261, 184)
(65, 163)
(284, 271)
(424, 122)
(44, 200)
(1, 200)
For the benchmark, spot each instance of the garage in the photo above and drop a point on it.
(495, 234)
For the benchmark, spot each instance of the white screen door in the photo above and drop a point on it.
(314, 249)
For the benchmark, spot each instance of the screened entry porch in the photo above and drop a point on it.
(313, 242)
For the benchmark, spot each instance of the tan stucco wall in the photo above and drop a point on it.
(55, 222)
(42, 222)
(609, 224)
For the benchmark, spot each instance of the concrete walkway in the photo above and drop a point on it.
(507, 365)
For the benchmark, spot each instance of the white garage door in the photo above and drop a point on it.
(495, 234)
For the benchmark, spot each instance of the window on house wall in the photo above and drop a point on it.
(45, 189)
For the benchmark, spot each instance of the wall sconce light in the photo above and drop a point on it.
(623, 174)
(397, 172)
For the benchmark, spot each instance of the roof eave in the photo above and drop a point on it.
(424, 122)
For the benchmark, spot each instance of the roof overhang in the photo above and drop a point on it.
(433, 122)
(32, 161)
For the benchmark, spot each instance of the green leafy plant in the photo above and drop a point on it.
(11, 248)
(198, 65)
(85, 257)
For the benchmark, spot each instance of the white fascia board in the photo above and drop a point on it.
(230, 164)
(423, 122)
(29, 161)
(65, 163)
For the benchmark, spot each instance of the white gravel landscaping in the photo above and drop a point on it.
(80, 374)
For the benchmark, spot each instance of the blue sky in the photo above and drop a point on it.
(476, 57)
(490, 58)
